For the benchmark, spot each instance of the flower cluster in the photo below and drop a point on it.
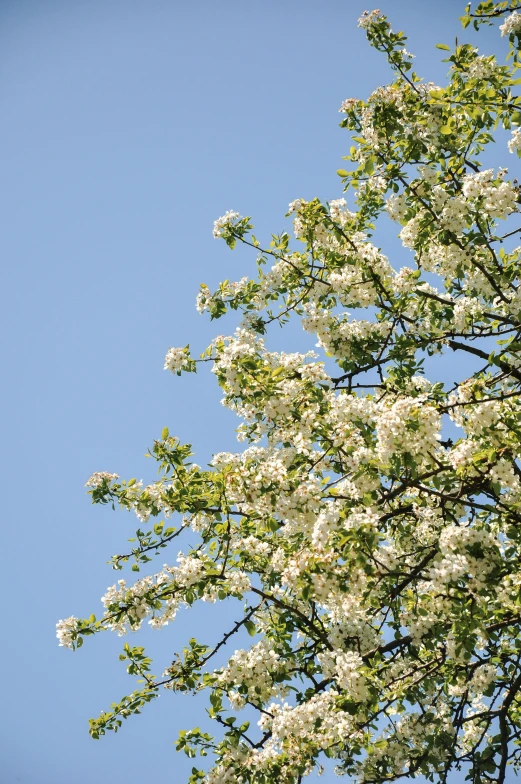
(514, 143)
(512, 24)
(66, 631)
(252, 675)
(226, 221)
(176, 359)
(99, 478)
(370, 18)
(344, 668)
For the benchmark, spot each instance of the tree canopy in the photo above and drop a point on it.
(371, 523)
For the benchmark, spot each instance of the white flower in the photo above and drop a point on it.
(344, 668)
(99, 477)
(483, 67)
(370, 18)
(482, 678)
(497, 198)
(230, 218)
(296, 205)
(339, 212)
(408, 425)
(176, 359)
(66, 631)
(405, 281)
(511, 24)
(396, 206)
(256, 669)
(462, 454)
(515, 141)
(347, 105)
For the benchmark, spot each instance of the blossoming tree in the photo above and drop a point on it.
(371, 525)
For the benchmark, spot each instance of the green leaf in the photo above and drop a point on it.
(443, 46)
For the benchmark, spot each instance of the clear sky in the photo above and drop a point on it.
(128, 127)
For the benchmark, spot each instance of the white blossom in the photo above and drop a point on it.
(66, 631)
(176, 359)
(99, 478)
(229, 219)
(511, 24)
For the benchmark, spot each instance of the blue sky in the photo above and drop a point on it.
(128, 127)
